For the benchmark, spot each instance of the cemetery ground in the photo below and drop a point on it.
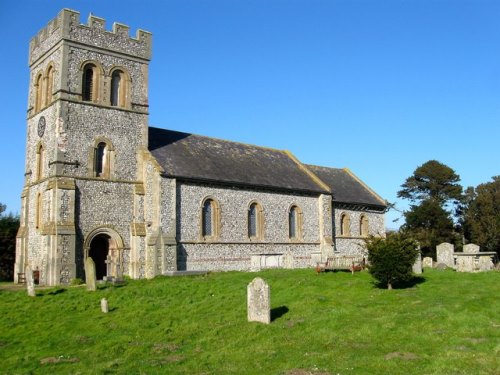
(329, 323)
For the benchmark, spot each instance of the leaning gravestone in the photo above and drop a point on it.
(259, 301)
(90, 278)
(30, 282)
(417, 266)
(444, 254)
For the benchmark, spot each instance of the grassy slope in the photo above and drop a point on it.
(331, 323)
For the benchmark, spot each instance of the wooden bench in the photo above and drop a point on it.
(342, 262)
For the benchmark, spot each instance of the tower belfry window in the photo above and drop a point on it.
(88, 83)
(50, 85)
(38, 93)
(116, 88)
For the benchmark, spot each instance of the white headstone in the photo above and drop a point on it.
(427, 262)
(90, 278)
(471, 248)
(104, 305)
(444, 254)
(259, 301)
(30, 282)
(417, 266)
(288, 260)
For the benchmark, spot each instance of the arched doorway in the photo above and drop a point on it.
(105, 246)
(99, 251)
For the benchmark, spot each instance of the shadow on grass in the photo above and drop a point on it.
(278, 312)
(408, 284)
(50, 292)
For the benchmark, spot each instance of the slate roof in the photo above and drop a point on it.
(346, 187)
(200, 158)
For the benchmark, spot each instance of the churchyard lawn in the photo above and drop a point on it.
(331, 323)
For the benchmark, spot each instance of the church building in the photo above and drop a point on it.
(144, 201)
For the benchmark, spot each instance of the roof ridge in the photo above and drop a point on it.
(222, 140)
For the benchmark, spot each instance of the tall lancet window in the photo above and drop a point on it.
(50, 85)
(88, 83)
(252, 220)
(294, 223)
(101, 162)
(116, 88)
(207, 226)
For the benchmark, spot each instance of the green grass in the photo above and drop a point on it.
(332, 323)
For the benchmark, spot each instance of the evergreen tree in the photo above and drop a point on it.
(481, 217)
(391, 259)
(432, 189)
(9, 224)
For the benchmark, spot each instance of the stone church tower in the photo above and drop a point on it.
(86, 134)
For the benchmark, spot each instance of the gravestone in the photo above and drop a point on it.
(90, 278)
(417, 266)
(471, 248)
(30, 282)
(104, 305)
(288, 260)
(427, 262)
(259, 301)
(109, 264)
(444, 254)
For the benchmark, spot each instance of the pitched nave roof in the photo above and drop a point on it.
(196, 157)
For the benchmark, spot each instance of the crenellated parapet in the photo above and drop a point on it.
(67, 26)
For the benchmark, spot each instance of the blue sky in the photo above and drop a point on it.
(378, 86)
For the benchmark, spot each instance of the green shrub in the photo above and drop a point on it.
(76, 281)
(391, 259)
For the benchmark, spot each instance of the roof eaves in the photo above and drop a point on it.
(372, 192)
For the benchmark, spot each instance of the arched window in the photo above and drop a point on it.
(294, 223)
(101, 162)
(345, 225)
(40, 160)
(89, 87)
(50, 85)
(101, 158)
(255, 221)
(210, 219)
(39, 207)
(363, 226)
(38, 92)
(118, 88)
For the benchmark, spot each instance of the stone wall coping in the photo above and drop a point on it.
(490, 253)
(261, 254)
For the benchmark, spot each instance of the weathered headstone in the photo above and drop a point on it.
(259, 301)
(417, 266)
(471, 248)
(30, 281)
(427, 262)
(90, 277)
(109, 264)
(104, 305)
(444, 254)
(288, 260)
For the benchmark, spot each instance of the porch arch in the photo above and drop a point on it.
(105, 246)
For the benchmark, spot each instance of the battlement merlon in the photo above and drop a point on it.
(66, 26)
